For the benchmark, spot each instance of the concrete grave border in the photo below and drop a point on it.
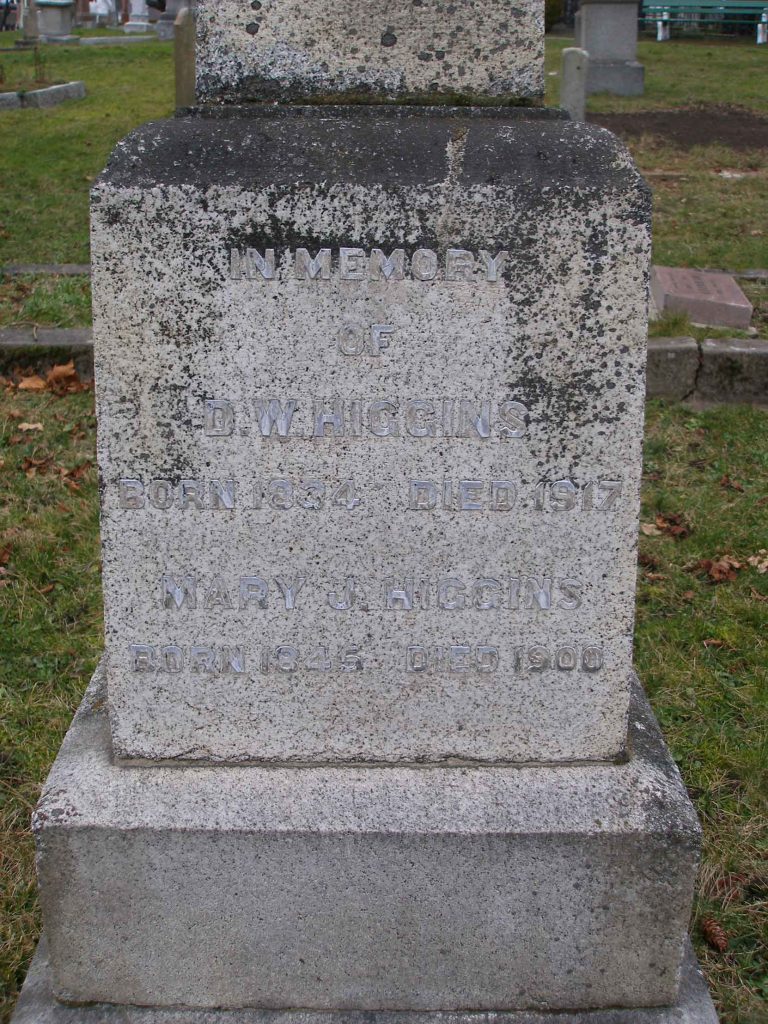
(51, 96)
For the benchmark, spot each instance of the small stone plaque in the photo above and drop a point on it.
(370, 409)
(708, 298)
(366, 50)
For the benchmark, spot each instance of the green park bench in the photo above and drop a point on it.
(703, 13)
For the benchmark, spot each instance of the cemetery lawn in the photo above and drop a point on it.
(702, 651)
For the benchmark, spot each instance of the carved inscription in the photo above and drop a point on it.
(355, 264)
(312, 495)
(483, 658)
(534, 592)
(324, 419)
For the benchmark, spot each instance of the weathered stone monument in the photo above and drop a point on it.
(608, 31)
(366, 744)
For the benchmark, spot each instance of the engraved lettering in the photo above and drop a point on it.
(382, 418)
(472, 419)
(271, 414)
(494, 265)
(387, 268)
(380, 335)
(219, 417)
(175, 593)
(351, 264)
(257, 265)
(422, 494)
(451, 595)
(290, 590)
(515, 418)
(459, 265)
(161, 494)
(222, 493)
(130, 493)
(470, 495)
(142, 658)
(218, 595)
(309, 268)
(419, 416)
(323, 418)
(253, 590)
(424, 265)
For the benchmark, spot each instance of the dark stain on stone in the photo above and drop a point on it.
(252, 28)
(388, 38)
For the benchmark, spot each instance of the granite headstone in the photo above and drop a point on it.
(365, 745)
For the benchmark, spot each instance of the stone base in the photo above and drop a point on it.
(38, 1006)
(620, 78)
(350, 888)
(137, 27)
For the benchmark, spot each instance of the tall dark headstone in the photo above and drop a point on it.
(366, 744)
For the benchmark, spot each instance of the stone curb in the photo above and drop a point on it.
(680, 369)
(38, 98)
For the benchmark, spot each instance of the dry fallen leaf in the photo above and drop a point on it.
(756, 595)
(33, 383)
(689, 595)
(654, 577)
(650, 530)
(714, 642)
(730, 485)
(721, 569)
(760, 560)
(28, 427)
(64, 378)
(673, 525)
(46, 589)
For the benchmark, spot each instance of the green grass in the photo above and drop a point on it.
(683, 73)
(50, 630)
(49, 158)
(701, 649)
(700, 218)
(34, 300)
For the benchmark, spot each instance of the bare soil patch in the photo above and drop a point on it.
(696, 126)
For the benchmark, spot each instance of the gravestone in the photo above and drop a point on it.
(366, 738)
(708, 297)
(608, 31)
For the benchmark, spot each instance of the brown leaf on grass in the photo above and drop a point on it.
(730, 485)
(756, 595)
(759, 561)
(721, 569)
(650, 530)
(15, 439)
(674, 525)
(5, 554)
(33, 383)
(47, 588)
(647, 561)
(762, 501)
(27, 428)
(64, 378)
(14, 414)
(654, 577)
(36, 467)
(689, 595)
(715, 934)
(713, 642)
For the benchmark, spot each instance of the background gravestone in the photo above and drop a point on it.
(608, 30)
(370, 380)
